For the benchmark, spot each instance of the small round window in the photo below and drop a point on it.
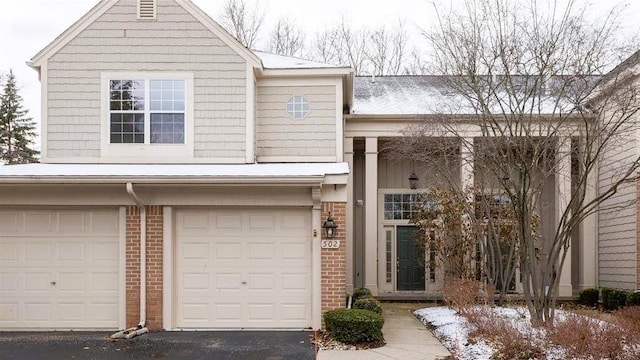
(298, 107)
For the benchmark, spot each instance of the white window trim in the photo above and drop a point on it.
(146, 152)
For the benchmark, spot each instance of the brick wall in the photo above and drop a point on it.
(153, 268)
(132, 248)
(334, 261)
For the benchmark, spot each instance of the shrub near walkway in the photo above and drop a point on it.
(361, 324)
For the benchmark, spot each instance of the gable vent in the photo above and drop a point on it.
(146, 9)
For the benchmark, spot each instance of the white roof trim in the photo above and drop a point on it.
(219, 31)
(184, 173)
(105, 5)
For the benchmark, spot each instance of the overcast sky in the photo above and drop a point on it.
(27, 26)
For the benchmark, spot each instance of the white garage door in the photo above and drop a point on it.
(58, 269)
(243, 268)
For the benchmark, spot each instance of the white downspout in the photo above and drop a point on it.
(143, 255)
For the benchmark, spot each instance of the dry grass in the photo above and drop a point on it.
(461, 294)
(588, 338)
(504, 336)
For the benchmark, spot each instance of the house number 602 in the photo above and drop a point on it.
(330, 244)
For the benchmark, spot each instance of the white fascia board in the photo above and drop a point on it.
(220, 32)
(259, 181)
(73, 31)
(344, 71)
(341, 179)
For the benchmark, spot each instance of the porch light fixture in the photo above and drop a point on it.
(329, 227)
(413, 180)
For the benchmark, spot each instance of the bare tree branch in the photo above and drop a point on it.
(242, 21)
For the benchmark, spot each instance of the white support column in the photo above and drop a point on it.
(466, 164)
(563, 194)
(371, 215)
(588, 234)
(316, 261)
(348, 157)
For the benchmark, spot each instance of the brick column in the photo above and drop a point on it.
(132, 248)
(334, 261)
(154, 266)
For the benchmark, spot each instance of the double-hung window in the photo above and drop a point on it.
(147, 111)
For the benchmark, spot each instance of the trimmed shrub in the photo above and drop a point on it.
(589, 297)
(612, 299)
(354, 325)
(368, 303)
(633, 299)
(360, 293)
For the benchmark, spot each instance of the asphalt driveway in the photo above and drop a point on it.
(262, 345)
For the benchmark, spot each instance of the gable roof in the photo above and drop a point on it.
(104, 5)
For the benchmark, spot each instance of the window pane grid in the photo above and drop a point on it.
(134, 102)
(127, 128)
(399, 206)
(298, 107)
(167, 128)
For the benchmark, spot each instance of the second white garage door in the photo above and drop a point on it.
(243, 268)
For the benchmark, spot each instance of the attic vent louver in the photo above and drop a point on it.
(146, 9)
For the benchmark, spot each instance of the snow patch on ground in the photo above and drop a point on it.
(453, 330)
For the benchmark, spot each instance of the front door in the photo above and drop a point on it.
(410, 261)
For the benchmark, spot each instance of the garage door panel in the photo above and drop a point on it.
(38, 222)
(103, 223)
(224, 282)
(38, 311)
(195, 250)
(70, 283)
(8, 311)
(104, 251)
(103, 312)
(227, 250)
(103, 283)
(259, 260)
(9, 223)
(71, 311)
(59, 270)
(38, 250)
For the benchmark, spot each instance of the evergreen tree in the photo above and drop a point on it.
(17, 129)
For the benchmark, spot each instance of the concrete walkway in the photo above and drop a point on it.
(406, 338)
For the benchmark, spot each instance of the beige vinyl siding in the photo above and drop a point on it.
(118, 42)
(395, 174)
(279, 135)
(617, 220)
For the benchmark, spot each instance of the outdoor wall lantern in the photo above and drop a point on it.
(329, 227)
(413, 180)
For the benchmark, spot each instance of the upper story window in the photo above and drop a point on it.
(147, 116)
(147, 111)
(298, 107)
